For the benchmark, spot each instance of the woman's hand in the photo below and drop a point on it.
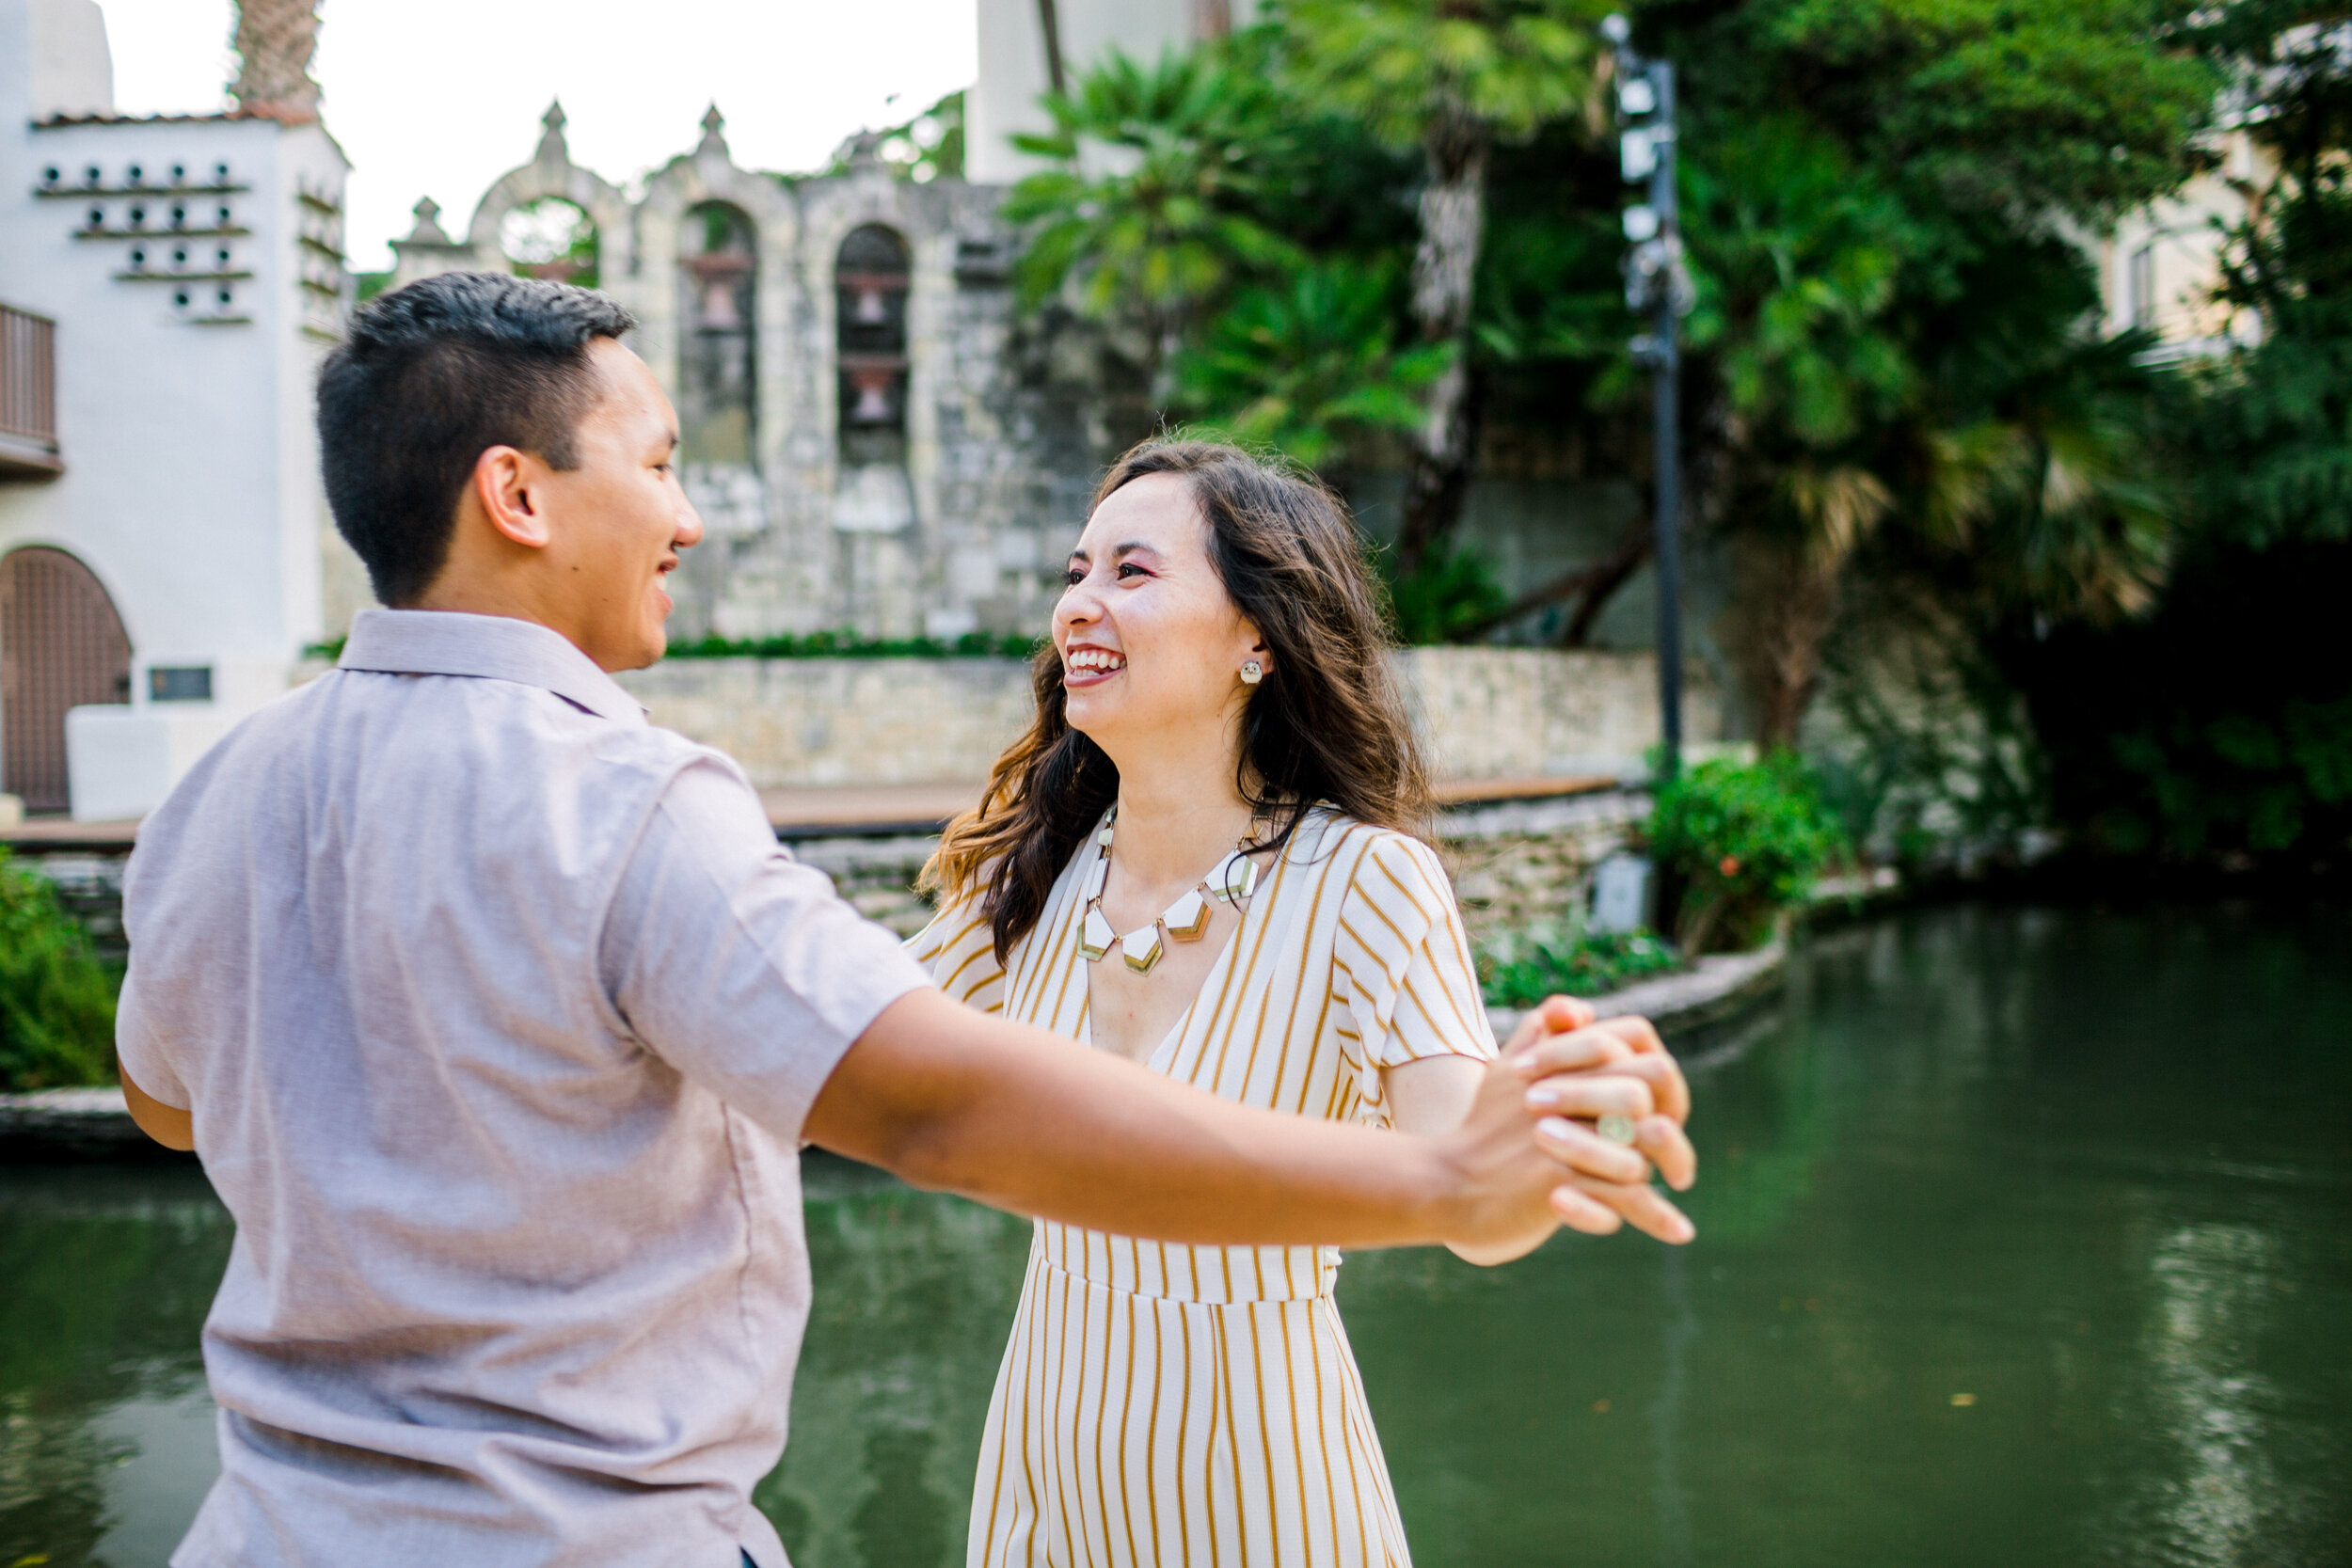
(1569, 1070)
(1576, 1074)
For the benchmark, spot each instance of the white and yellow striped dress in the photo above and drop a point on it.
(1162, 1404)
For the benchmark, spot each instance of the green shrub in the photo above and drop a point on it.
(2168, 738)
(1454, 591)
(1589, 965)
(57, 1002)
(1745, 841)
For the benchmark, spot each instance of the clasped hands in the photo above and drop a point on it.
(1579, 1070)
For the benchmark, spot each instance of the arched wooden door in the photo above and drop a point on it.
(61, 645)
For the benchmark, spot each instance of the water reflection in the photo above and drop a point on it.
(106, 1437)
(2023, 1242)
(2207, 1304)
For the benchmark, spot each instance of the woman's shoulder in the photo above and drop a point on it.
(1366, 851)
(958, 926)
(1324, 827)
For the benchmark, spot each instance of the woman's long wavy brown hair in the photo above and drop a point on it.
(1327, 725)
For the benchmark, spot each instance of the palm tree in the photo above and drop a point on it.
(2012, 464)
(1450, 77)
(1300, 364)
(1146, 221)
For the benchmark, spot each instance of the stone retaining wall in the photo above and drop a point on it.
(1527, 862)
(816, 722)
(1514, 864)
(1486, 713)
(1520, 713)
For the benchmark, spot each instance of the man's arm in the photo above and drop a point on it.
(168, 1125)
(743, 970)
(1021, 1119)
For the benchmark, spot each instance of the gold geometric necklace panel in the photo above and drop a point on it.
(1230, 883)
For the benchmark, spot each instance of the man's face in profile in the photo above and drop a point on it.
(620, 518)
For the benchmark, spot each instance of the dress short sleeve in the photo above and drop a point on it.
(1404, 959)
(960, 950)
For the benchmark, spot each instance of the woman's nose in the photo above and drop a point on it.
(1077, 605)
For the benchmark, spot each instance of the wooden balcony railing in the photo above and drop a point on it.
(29, 395)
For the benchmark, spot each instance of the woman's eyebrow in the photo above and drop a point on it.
(1130, 547)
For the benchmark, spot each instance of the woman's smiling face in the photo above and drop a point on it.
(1150, 643)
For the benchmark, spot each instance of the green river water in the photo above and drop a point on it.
(2026, 1238)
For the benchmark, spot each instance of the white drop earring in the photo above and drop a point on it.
(1251, 672)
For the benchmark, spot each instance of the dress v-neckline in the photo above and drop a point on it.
(1216, 971)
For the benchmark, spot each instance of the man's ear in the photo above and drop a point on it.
(505, 481)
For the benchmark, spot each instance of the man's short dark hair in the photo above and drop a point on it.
(432, 376)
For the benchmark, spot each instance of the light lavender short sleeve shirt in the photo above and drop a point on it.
(498, 1011)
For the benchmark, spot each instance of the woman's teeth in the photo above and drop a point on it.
(1093, 661)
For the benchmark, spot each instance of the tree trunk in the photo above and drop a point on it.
(1445, 267)
(1639, 543)
(1778, 623)
(1591, 585)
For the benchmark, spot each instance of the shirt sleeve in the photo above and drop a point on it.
(1404, 959)
(735, 963)
(959, 948)
(140, 1049)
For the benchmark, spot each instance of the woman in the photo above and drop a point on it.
(1203, 856)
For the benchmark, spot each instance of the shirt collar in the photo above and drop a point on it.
(490, 647)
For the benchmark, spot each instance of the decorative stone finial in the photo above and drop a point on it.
(275, 40)
(714, 124)
(428, 230)
(552, 147)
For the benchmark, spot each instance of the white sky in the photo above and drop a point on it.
(440, 97)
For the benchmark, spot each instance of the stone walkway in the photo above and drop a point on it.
(1712, 988)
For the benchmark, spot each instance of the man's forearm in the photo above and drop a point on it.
(948, 1099)
(168, 1125)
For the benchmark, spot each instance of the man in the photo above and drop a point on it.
(496, 1015)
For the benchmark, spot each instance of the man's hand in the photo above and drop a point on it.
(1559, 1063)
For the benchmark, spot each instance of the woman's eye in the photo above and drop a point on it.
(1074, 576)
(1126, 566)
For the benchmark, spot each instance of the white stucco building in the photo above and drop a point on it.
(1030, 47)
(175, 280)
(2161, 266)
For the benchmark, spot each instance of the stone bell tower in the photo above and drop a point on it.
(276, 40)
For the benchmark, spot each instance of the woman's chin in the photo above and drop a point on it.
(1090, 710)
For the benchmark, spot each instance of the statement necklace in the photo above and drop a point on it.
(1231, 882)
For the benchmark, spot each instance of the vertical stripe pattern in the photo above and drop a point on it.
(1185, 1404)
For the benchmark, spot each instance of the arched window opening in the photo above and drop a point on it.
(61, 645)
(871, 277)
(718, 265)
(551, 238)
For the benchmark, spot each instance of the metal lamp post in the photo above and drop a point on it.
(1656, 283)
